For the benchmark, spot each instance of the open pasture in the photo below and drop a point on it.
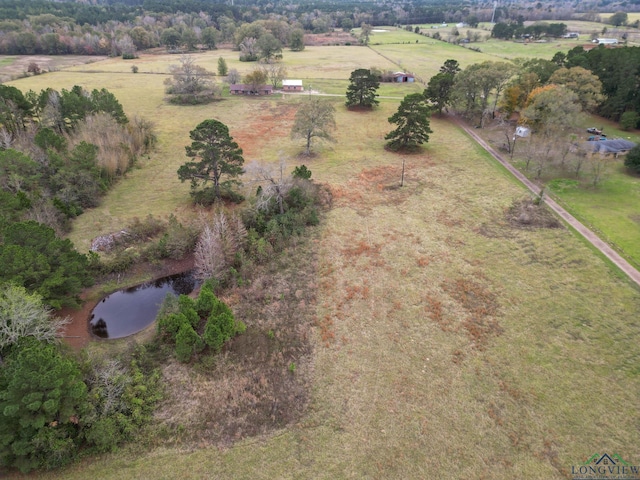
(445, 335)
(449, 342)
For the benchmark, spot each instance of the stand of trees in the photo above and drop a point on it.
(618, 69)
(507, 31)
(53, 406)
(65, 167)
(50, 173)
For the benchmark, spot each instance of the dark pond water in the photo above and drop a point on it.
(128, 311)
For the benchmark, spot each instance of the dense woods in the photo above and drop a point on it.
(126, 26)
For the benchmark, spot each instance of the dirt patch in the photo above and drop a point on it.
(482, 308)
(76, 333)
(16, 66)
(526, 213)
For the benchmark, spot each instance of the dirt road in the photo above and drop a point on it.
(606, 250)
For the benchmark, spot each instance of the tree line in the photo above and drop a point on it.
(52, 167)
(122, 28)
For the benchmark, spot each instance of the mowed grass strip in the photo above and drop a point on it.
(449, 344)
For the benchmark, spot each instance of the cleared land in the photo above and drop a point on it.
(447, 341)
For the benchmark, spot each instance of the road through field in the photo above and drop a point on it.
(602, 246)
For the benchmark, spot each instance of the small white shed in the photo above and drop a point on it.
(292, 86)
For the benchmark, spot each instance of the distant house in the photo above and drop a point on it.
(401, 77)
(606, 41)
(241, 89)
(292, 86)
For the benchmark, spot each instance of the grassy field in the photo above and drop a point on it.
(443, 333)
(448, 342)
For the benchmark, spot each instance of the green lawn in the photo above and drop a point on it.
(612, 209)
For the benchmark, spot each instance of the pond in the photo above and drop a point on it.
(130, 310)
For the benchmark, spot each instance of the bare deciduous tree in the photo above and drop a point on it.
(188, 78)
(275, 72)
(109, 380)
(233, 77)
(598, 168)
(273, 182)
(6, 139)
(218, 244)
(314, 119)
(249, 49)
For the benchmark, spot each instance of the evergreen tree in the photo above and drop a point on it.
(412, 119)
(362, 89)
(42, 400)
(217, 157)
(632, 160)
(223, 69)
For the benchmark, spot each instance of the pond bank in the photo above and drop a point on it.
(77, 335)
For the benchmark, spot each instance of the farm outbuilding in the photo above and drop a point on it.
(292, 86)
(241, 89)
(401, 77)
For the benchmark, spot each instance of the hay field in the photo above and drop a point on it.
(448, 342)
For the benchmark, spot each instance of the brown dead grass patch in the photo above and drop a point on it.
(379, 185)
(481, 305)
(362, 248)
(269, 122)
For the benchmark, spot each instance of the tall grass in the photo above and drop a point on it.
(118, 145)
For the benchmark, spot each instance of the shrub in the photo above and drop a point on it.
(134, 68)
(258, 248)
(632, 160)
(213, 336)
(169, 325)
(179, 239)
(302, 172)
(188, 309)
(188, 342)
(629, 120)
(206, 300)
(227, 325)
(141, 230)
